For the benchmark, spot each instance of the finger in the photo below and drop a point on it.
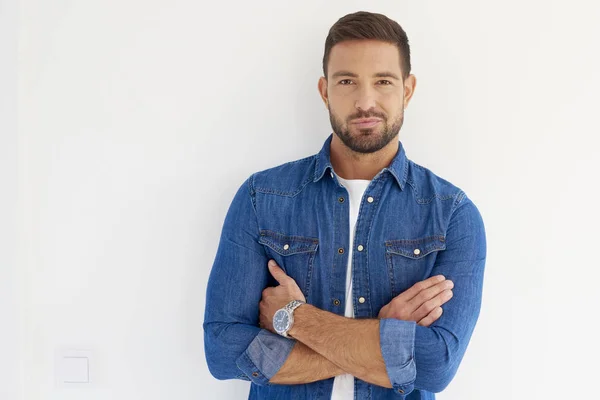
(262, 320)
(415, 289)
(429, 293)
(433, 316)
(432, 304)
(279, 275)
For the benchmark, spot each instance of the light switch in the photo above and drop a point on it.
(72, 367)
(75, 370)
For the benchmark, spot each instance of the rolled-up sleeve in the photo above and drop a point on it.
(264, 356)
(235, 347)
(397, 340)
(427, 358)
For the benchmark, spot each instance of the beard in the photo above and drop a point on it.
(367, 140)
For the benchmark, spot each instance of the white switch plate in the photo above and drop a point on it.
(73, 367)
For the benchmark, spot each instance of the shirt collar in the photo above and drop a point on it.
(398, 167)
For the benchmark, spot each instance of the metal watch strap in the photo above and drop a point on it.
(292, 305)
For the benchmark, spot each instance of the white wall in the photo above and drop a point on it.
(9, 286)
(138, 120)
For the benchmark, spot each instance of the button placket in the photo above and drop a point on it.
(361, 278)
(337, 284)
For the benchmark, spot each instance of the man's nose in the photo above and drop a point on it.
(366, 99)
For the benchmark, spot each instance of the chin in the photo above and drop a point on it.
(367, 132)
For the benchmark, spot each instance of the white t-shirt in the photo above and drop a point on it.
(343, 385)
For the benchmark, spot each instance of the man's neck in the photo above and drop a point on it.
(352, 165)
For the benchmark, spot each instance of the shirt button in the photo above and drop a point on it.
(360, 247)
(341, 199)
(400, 391)
(255, 374)
(286, 246)
(417, 252)
(331, 173)
(361, 300)
(370, 199)
(336, 302)
(341, 251)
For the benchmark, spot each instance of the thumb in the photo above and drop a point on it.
(279, 275)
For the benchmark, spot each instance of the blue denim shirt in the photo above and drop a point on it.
(417, 225)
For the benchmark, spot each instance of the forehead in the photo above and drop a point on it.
(364, 56)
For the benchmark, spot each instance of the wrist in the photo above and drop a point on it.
(299, 317)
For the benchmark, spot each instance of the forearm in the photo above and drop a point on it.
(351, 344)
(304, 365)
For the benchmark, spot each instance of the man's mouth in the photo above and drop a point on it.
(363, 123)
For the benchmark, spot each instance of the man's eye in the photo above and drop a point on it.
(385, 82)
(345, 81)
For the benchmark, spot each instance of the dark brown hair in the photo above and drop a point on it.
(366, 25)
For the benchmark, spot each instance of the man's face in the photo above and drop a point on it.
(364, 93)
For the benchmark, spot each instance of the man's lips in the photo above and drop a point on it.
(365, 122)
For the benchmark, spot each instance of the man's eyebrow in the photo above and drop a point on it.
(344, 73)
(385, 74)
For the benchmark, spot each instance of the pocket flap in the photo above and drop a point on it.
(416, 248)
(287, 244)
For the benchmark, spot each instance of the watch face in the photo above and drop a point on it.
(281, 321)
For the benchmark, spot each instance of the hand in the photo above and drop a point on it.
(421, 303)
(274, 298)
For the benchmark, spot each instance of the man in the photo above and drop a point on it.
(332, 270)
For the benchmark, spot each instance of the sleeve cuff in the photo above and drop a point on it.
(397, 340)
(264, 356)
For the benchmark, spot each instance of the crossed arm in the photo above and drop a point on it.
(387, 352)
(339, 345)
(323, 338)
(304, 365)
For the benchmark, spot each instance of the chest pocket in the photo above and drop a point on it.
(411, 260)
(294, 254)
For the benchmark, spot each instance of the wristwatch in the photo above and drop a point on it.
(283, 319)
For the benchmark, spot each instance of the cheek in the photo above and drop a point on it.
(391, 100)
(340, 117)
(341, 104)
(393, 108)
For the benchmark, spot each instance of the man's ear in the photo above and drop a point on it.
(322, 86)
(410, 83)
